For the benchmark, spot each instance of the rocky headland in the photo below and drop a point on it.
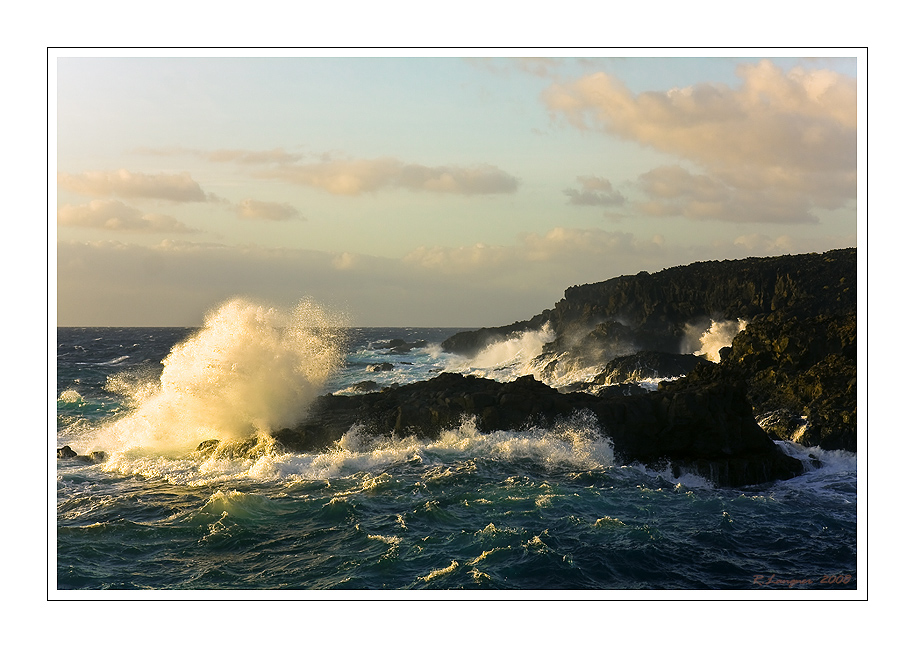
(787, 371)
(796, 356)
(790, 373)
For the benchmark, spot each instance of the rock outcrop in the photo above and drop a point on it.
(801, 376)
(797, 355)
(707, 429)
(67, 452)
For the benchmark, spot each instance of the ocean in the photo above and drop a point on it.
(536, 510)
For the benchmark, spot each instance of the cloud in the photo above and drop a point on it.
(115, 215)
(259, 210)
(174, 283)
(274, 156)
(479, 179)
(594, 192)
(792, 132)
(124, 184)
(559, 247)
(352, 177)
(674, 191)
(240, 156)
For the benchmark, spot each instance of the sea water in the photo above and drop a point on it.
(518, 509)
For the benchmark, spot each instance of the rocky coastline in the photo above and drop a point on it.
(789, 374)
(796, 356)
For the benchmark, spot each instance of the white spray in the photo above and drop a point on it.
(250, 369)
(508, 358)
(709, 342)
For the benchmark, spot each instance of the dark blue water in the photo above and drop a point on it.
(511, 510)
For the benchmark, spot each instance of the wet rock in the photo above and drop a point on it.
(365, 386)
(381, 366)
(623, 389)
(94, 457)
(399, 347)
(709, 429)
(798, 352)
(207, 446)
(647, 365)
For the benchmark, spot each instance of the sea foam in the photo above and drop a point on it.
(250, 369)
(709, 341)
(506, 359)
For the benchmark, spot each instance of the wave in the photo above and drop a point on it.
(250, 369)
(506, 359)
(708, 341)
(572, 445)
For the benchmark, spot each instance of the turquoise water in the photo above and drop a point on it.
(511, 510)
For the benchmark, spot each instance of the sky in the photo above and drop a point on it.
(449, 190)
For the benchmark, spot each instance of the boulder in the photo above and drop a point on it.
(94, 457)
(381, 366)
(398, 346)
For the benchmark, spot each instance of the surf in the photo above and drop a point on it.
(250, 369)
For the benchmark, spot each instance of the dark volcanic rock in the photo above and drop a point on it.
(93, 457)
(802, 369)
(471, 342)
(381, 366)
(646, 365)
(709, 429)
(797, 354)
(365, 386)
(622, 389)
(399, 346)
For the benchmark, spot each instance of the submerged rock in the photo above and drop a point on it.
(381, 366)
(398, 346)
(365, 386)
(94, 457)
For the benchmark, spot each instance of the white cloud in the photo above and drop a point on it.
(594, 191)
(115, 215)
(178, 187)
(175, 282)
(783, 141)
(260, 210)
(674, 191)
(351, 177)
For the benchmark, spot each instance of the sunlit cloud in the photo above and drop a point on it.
(461, 259)
(351, 177)
(560, 246)
(789, 132)
(251, 209)
(594, 192)
(178, 187)
(174, 282)
(674, 191)
(274, 156)
(115, 215)
(239, 156)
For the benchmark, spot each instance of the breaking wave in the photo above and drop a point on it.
(250, 369)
